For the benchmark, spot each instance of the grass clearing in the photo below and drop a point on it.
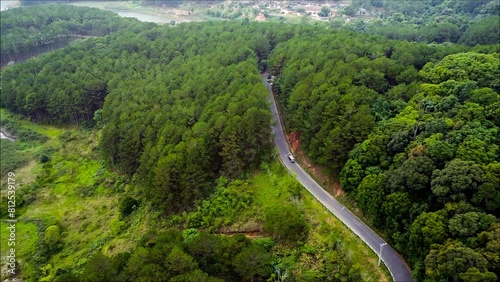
(273, 186)
(67, 199)
(323, 224)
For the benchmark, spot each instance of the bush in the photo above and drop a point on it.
(128, 205)
(286, 222)
(45, 154)
(52, 238)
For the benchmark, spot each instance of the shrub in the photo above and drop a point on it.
(12, 156)
(128, 205)
(45, 154)
(52, 238)
(286, 222)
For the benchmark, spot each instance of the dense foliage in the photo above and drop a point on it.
(194, 111)
(413, 130)
(335, 85)
(468, 22)
(434, 170)
(422, 129)
(29, 31)
(182, 256)
(184, 104)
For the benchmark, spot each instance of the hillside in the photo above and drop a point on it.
(144, 152)
(411, 132)
(159, 154)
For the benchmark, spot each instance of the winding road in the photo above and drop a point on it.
(394, 262)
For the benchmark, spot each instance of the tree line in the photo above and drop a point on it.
(27, 30)
(468, 22)
(178, 106)
(413, 131)
(411, 128)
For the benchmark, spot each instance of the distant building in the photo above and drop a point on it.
(260, 18)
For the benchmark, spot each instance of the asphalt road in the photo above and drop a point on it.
(394, 262)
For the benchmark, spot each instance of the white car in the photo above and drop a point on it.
(290, 157)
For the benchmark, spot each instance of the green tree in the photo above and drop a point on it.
(99, 268)
(427, 229)
(488, 194)
(438, 149)
(396, 210)
(475, 275)
(195, 276)
(456, 261)
(413, 176)
(286, 222)
(351, 175)
(459, 180)
(464, 66)
(490, 246)
(484, 31)
(206, 248)
(178, 262)
(469, 224)
(253, 262)
(370, 195)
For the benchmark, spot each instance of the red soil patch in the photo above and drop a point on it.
(260, 18)
(332, 186)
(256, 233)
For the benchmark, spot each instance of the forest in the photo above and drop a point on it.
(219, 127)
(172, 123)
(28, 31)
(413, 132)
(168, 120)
(468, 22)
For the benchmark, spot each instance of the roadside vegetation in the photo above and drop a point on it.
(77, 216)
(189, 191)
(145, 154)
(412, 129)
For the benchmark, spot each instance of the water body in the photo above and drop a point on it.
(7, 59)
(143, 17)
(3, 136)
(5, 4)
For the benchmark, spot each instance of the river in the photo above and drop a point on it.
(145, 14)
(2, 136)
(143, 17)
(5, 4)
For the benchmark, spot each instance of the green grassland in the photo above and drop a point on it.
(275, 186)
(74, 191)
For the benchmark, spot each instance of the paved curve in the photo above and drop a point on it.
(394, 262)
